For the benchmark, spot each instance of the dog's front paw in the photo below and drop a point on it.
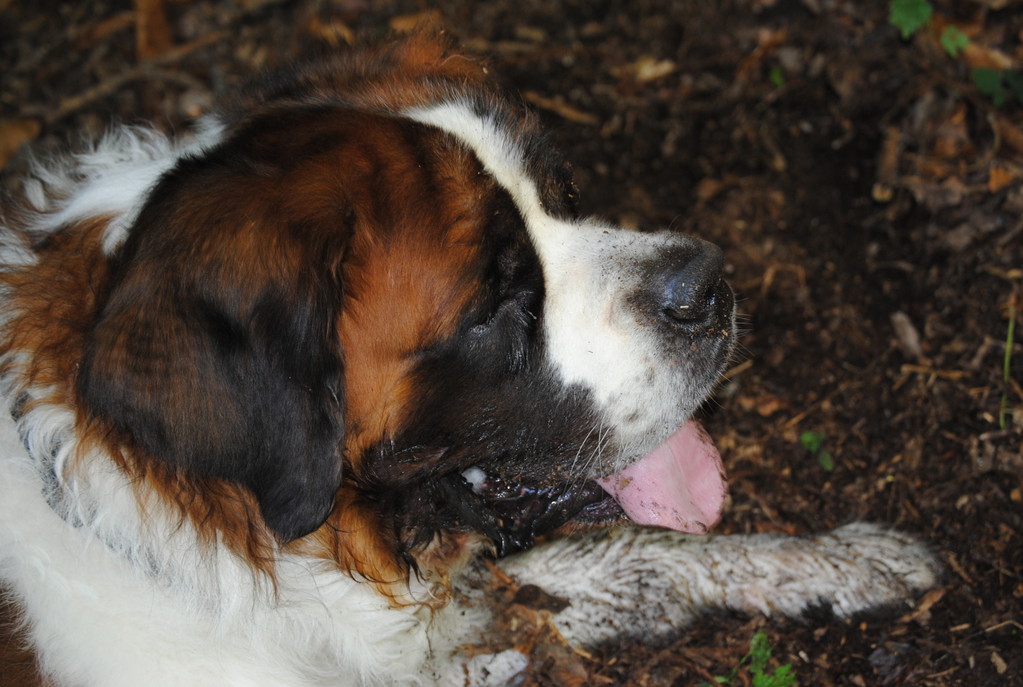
(875, 566)
(852, 569)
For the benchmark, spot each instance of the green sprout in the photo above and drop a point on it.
(777, 77)
(755, 661)
(909, 16)
(953, 41)
(814, 443)
(999, 84)
(989, 82)
(1014, 80)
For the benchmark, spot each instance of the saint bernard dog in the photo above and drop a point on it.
(276, 393)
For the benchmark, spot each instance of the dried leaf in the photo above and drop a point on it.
(999, 177)
(976, 55)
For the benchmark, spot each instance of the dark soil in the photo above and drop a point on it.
(870, 203)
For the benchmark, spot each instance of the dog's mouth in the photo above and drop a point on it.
(680, 485)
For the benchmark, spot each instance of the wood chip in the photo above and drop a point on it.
(907, 335)
(533, 34)
(1000, 665)
(887, 166)
(152, 32)
(976, 55)
(923, 609)
(649, 69)
(764, 405)
(645, 69)
(406, 23)
(334, 33)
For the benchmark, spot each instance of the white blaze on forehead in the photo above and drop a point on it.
(594, 336)
(503, 157)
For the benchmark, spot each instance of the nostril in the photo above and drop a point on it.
(688, 302)
(688, 284)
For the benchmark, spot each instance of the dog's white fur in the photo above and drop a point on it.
(114, 598)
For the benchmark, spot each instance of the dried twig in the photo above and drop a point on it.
(50, 114)
(560, 108)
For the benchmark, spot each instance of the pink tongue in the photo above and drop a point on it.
(679, 485)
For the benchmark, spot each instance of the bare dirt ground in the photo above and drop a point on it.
(869, 199)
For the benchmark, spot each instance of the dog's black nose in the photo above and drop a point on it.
(689, 286)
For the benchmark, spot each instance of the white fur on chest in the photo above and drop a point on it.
(101, 618)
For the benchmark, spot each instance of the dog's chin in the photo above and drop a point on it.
(680, 485)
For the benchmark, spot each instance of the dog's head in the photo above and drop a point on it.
(366, 313)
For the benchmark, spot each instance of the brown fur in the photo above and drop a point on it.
(17, 660)
(323, 215)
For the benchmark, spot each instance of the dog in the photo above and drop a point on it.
(274, 391)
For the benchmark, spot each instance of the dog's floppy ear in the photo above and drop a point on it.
(216, 350)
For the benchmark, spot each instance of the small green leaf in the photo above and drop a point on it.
(811, 441)
(909, 16)
(989, 82)
(755, 661)
(954, 41)
(826, 461)
(1014, 79)
(759, 652)
(718, 680)
(777, 77)
(782, 677)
